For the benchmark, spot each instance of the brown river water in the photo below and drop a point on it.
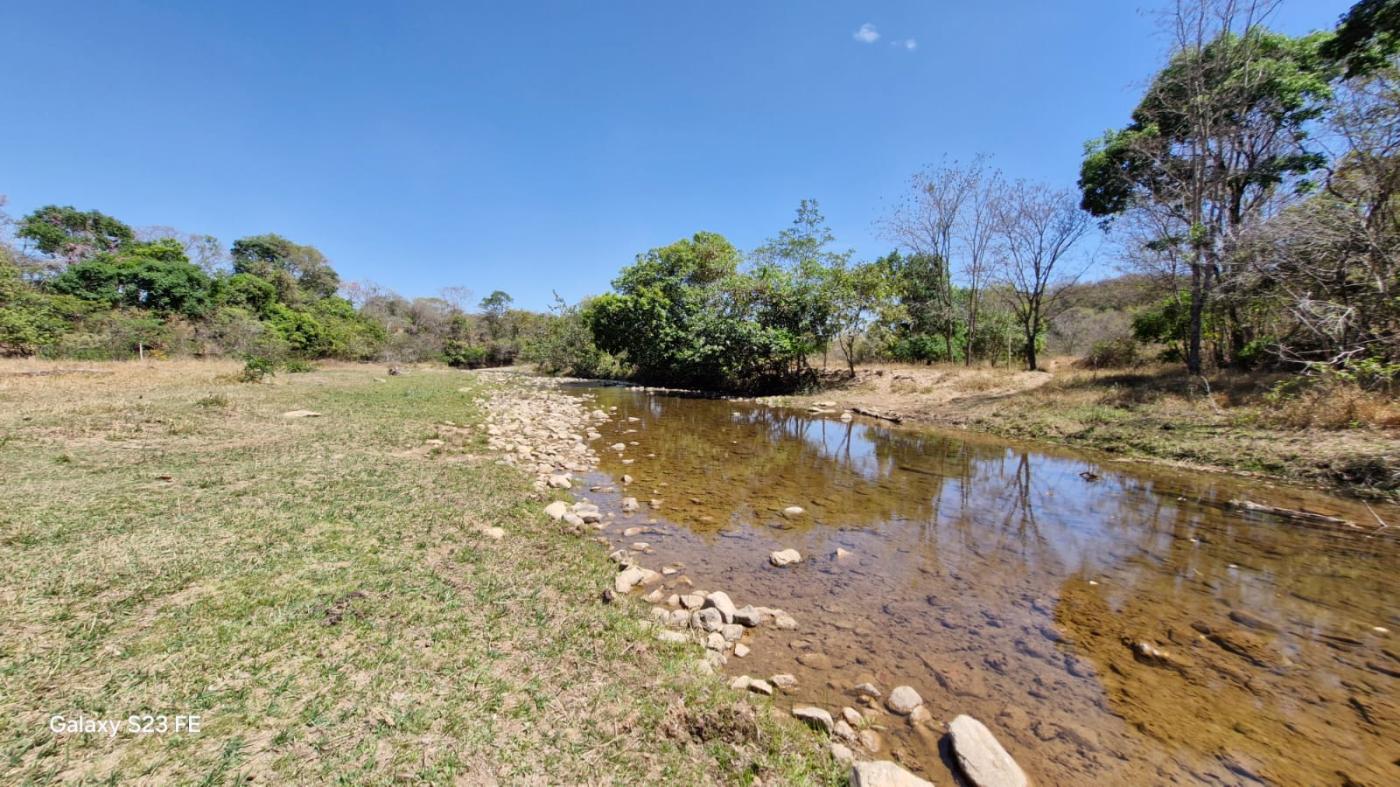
(999, 582)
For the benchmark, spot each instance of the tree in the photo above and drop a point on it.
(1368, 35)
(155, 276)
(950, 219)
(1326, 271)
(493, 310)
(794, 283)
(299, 272)
(918, 284)
(1037, 228)
(1217, 135)
(859, 292)
(202, 250)
(72, 234)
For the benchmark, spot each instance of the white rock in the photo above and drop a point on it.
(842, 753)
(792, 511)
(981, 757)
(632, 576)
(783, 681)
(816, 717)
(556, 510)
(741, 650)
(843, 730)
(720, 601)
(559, 482)
(761, 687)
(903, 700)
(692, 600)
(785, 557)
(630, 505)
(618, 446)
(883, 773)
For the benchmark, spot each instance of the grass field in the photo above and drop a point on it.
(317, 592)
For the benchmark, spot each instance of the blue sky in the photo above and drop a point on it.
(539, 146)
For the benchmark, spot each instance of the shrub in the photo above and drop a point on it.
(1116, 353)
(461, 355)
(298, 366)
(256, 369)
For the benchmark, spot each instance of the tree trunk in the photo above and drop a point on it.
(1030, 349)
(1193, 327)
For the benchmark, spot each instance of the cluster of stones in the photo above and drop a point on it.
(543, 432)
(711, 619)
(981, 759)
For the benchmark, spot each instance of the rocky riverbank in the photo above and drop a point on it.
(535, 426)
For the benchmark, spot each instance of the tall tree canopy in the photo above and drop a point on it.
(73, 234)
(1367, 37)
(299, 272)
(1217, 133)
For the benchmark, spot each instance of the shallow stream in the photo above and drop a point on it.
(1111, 623)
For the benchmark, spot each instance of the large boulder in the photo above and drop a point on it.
(981, 757)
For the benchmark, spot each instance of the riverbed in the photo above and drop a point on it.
(1109, 622)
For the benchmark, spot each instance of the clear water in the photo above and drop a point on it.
(999, 581)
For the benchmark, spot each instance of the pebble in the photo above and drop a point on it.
(792, 511)
(783, 680)
(761, 687)
(741, 650)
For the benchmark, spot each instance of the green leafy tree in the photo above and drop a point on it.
(795, 281)
(299, 272)
(1212, 142)
(1367, 37)
(74, 235)
(164, 282)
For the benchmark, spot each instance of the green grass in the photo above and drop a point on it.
(317, 591)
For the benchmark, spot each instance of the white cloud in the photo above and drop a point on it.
(911, 44)
(867, 34)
